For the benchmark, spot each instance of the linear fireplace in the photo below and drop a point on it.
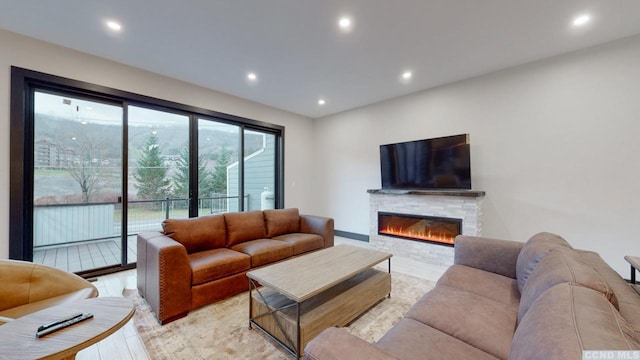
(465, 205)
(432, 229)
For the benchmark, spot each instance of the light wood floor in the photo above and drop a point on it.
(126, 344)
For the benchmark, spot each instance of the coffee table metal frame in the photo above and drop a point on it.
(292, 347)
(634, 261)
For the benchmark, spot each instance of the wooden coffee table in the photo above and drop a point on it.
(18, 340)
(305, 295)
(634, 261)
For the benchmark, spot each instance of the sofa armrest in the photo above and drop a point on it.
(322, 226)
(334, 343)
(493, 255)
(166, 275)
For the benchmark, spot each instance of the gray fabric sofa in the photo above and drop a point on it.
(507, 300)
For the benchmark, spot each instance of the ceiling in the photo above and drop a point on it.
(298, 52)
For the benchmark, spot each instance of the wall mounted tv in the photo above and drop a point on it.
(439, 163)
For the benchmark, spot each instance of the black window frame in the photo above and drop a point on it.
(23, 84)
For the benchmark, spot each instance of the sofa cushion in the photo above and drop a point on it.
(559, 266)
(402, 340)
(197, 234)
(282, 221)
(265, 251)
(627, 298)
(537, 247)
(484, 283)
(474, 319)
(567, 319)
(302, 243)
(217, 263)
(244, 226)
(492, 255)
(337, 344)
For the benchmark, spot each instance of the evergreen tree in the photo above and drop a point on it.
(181, 178)
(151, 172)
(219, 176)
(204, 181)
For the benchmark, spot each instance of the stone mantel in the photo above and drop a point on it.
(465, 193)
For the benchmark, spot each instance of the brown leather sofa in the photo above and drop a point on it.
(507, 300)
(26, 287)
(197, 261)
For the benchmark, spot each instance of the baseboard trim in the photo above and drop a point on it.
(350, 235)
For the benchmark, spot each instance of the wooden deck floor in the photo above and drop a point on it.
(86, 256)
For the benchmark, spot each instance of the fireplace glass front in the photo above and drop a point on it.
(433, 229)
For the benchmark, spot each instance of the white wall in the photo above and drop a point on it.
(32, 54)
(554, 144)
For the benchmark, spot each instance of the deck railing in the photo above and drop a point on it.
(72, 223)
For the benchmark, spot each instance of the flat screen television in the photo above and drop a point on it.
(439, 163)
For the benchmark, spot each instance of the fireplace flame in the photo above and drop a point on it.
(420, 234)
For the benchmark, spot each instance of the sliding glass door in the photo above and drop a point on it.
(158, 170)
(218, 153)
(91, 167)
(259, 170)
(77, 182)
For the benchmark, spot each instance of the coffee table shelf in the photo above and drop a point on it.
(301, 297)
(337, 306)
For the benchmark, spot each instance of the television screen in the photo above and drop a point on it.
(440, 163)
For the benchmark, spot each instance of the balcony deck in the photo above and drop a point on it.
(85, 256)
(63, 236)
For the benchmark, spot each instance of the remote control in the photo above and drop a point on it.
(56, 322)
(63, 325)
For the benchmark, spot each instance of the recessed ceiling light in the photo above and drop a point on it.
(581, 20)
(345, 23)
(114, 25)
(405, 76)
(252, 76)
(321, 102)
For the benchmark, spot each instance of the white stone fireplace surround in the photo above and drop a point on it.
(459, 204)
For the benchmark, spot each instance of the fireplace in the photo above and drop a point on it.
(432, 229)
(464, 205)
